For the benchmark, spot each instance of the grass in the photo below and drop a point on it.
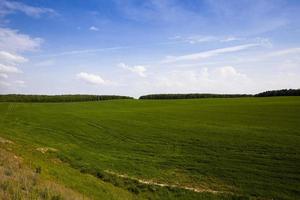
(20, 182)
(246, 148)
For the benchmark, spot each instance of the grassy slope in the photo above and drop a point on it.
(249, 146)
(17, 181)
(19, 178)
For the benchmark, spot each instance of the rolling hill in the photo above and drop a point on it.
(214, 148)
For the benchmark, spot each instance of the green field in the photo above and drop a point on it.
(232, 148)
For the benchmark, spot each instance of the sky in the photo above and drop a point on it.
(138, 47)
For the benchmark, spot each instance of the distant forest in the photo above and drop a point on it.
(192, 96)
(57, 98)
(76, 98)
(284, 92)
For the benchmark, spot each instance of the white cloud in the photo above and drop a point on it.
(12, 84)
(137, 69)
(284, 52)
(230, 39)
(200, 39)
(177, 80)
(13, 41)
(86, 51)
(9, 69)
(266, 42)
(91, 78)
(176, 37)
(218, 80)
(194, 39)
(8, 7)
(229, 72)
(11, 58)
(210, 53)
(284, 58)
(20, 83)
(4, 84)
(94, 28)
(2, 75)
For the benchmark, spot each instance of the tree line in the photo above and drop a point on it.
(78, 97)
(191, 96)
(58, 98)
(283, 92)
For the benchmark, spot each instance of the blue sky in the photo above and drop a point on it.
(136, 47)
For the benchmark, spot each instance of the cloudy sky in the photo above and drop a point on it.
(136, 47)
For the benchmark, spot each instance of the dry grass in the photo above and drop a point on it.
(18, 182)
(5, 141)
(46, 149)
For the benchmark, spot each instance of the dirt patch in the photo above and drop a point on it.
(151, 182)
(56, 161)
(46, 149)
(5, 141)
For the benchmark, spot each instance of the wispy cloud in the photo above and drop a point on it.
(11, 58)
(230, 39)
(229, 72)
(156, 11)
(194, 39)
(12, 40)
(12, 45)
(94, 28)
(137, 69)
(9, 69)
(199, 39)
(2, 75)
(202, 80)
(210, 53)
(284, 52)
(259, 17)
(84, 51)
(114, 48)
(8, 7)
(14, 84)
(20, 83)
(175, 39)
(4, 84)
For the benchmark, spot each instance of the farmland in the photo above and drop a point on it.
(210, 148)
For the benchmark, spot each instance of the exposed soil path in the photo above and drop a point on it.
(151, 182)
